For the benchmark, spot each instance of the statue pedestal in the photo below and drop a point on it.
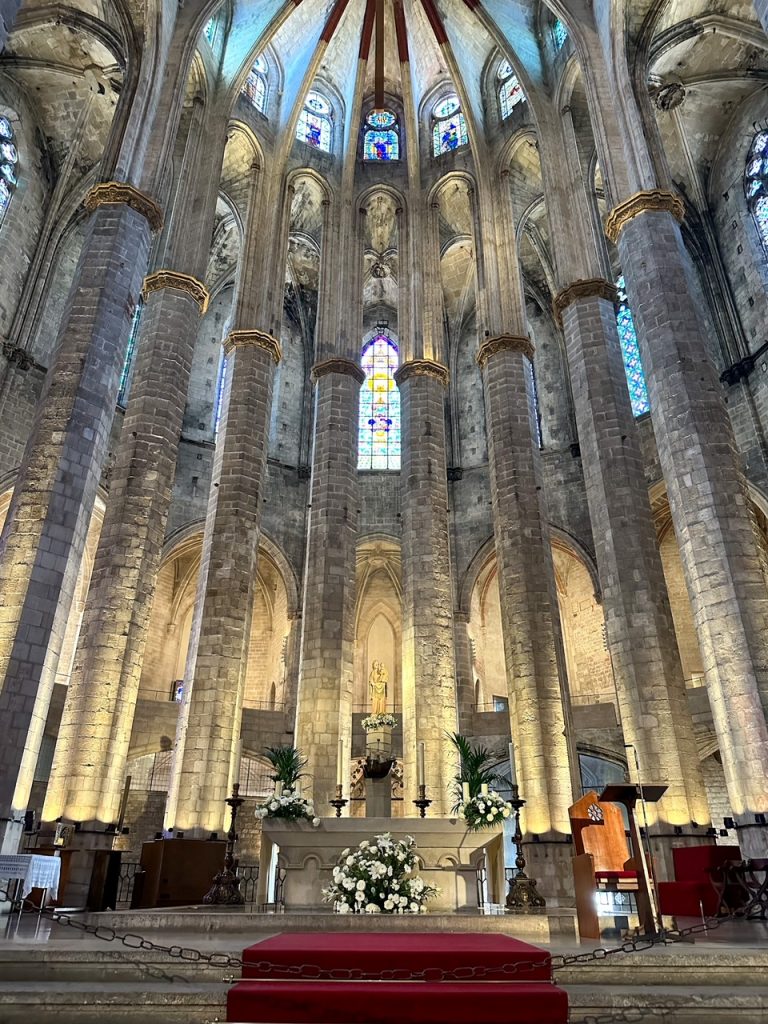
(448, 852)
(378, 742)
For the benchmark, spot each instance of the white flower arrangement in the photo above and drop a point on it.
(379, 721)
(485, 810)
(374, 879)
(290, 805)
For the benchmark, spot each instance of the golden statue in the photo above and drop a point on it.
(377, 687)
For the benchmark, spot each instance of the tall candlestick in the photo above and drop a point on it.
(340, 764)
(420, 764)
(512, 770)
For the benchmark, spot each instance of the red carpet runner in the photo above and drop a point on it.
(368, 978)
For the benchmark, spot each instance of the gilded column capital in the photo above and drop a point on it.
(255, 339)
(337, 365)
(504, 343)
(121, 192)
(162, 279)
(587, 288)
(653, 200)
(422, 368)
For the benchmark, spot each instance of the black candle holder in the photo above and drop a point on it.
(421, 802)
(339, 803)
(522, 894)
(226, 884)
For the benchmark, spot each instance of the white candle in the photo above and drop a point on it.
(465, 792)
(420, 764)
(278, 788)
(238, 759)
(484, 789)
(340, 765)
(512, 770)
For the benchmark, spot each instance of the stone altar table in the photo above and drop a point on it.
(449, 854)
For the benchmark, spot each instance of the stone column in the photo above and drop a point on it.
(465, 680)
(429, 679)
(653, 706)
(325, 685)
(209, 720)
(89, 765)
(526, 585)
(706, 488)
(45, 531)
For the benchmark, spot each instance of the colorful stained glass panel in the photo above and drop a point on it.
(314, 130)
(761, 216)
(449, 134)
(8, 152)
(317, 103)
(447, 106)
(381, 119)
(6, 132)
(210, 30)
(5, 196)
(560, 33)
(379, 427)
(510, 94)
(256, 90)
(630, 350)
(381, 145)
(756, 184)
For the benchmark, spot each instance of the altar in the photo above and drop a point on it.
(449, 856)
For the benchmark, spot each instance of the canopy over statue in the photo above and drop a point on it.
(377, 686)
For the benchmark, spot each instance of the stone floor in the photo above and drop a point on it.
(48, 972)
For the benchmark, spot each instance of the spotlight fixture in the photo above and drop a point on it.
(678, 829)
(158, 835)
(724, 832)
(729, 823)
(760, 819)
(695, 824)
(179, 835)
(213, 837)
(711, 831)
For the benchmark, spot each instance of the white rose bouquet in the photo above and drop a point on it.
(288, 804)
(484, 810)
(379, 721)
(378, 878)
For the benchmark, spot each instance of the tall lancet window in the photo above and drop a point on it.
(449, 129)
(560, 33)
(756, 184)
(9, 158)
(125, 373)
(314, 126)
(379, 431)
(630, 350)
(510, 91)
(255, 88)
(382, 136)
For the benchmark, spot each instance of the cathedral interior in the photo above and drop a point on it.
(428, 335)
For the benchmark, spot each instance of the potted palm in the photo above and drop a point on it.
(476, 799)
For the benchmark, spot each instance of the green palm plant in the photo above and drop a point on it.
(288, 764)
(476, 767)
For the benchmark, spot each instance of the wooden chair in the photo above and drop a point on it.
(603, 863)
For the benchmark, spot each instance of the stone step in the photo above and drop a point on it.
(661, 1004)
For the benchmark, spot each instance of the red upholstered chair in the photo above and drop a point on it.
(692, 891)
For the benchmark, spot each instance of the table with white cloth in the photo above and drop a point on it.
(32, 871)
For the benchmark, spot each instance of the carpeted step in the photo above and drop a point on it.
(396, 956)
(383, 1002)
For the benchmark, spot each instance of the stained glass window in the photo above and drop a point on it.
(9, 158)
(379, 429)
(210, 30)
(536, 410)
(314, 125)
(255, 88)
(381, 140)
(218, 405)
(630, 350)
(560, 32)
(510, 91)
(125, 375)
(449, 130)
(756, 184)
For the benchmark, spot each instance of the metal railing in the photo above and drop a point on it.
(129, 869)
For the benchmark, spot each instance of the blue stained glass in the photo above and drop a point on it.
(560, 33)
(8, 152)
(219, 403)
(210, 30)
(381, 119)
(125, 375)
(756, 184)
(505, 70)
(447, 106)
(317, 103)
(381, 145)
(5, 197)
(7, 172)
(630, 350)
(6, 132)
(255, 89)
(8, 159)
(510, 94)
(761, 216)
(379, 424)
(314, 129)
(449, 134)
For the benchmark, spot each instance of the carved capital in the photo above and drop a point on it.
(422, 368)
(121, 192)
(589, 288)
(337, 365)
(642, 202)
(504, 343)
(179, 282)
(16, 355)
(254, 339)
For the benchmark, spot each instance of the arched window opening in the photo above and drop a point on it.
(255, 88)
(210, 30)
(536, 410)
(510, 91)
(125, 375)
(221, 383)
(560, 34)
(449, 129)
(382, 136)
(598, 772)
(314, 125)
(9, 159)
(630, 350)
(756, 184)
(379, 426)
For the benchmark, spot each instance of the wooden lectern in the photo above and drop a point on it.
(603, 861)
